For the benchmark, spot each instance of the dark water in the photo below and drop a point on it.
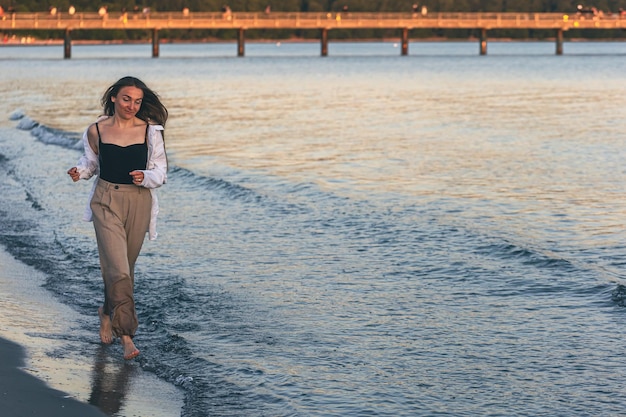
(365, 235)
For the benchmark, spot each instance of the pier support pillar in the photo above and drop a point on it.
(155, 43)
(67, 44)
(559, 41)
(405, 41)
(241, 42)
(483, 41)
(324, 41)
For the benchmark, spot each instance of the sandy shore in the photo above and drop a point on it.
(24, 395)
(54, 365)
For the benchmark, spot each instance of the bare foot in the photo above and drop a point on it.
(106, 333)
(130, 351)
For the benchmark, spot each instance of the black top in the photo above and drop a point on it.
(117, 161)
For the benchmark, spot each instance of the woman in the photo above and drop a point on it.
(125, 149)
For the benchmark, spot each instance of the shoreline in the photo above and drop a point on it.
(54, 366)
(23, 394)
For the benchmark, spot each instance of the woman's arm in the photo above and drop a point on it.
(88, 164)
(156, 174)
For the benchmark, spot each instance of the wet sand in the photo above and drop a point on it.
(51, 366)
(22, 394)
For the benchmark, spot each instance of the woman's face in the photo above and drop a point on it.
(127, 102)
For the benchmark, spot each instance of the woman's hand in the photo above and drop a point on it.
(73, 172)
(137, 177)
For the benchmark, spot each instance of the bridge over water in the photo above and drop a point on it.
(324, 22)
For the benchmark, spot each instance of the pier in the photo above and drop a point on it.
(154, 22)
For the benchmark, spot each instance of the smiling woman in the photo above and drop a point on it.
(127, 152)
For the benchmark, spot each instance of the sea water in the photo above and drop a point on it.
(360, 234)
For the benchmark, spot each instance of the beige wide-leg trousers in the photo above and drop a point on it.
(121, 216)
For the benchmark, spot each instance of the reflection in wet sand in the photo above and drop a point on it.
(110, 382)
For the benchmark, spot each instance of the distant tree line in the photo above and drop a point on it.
(433, 6)
(530, 6)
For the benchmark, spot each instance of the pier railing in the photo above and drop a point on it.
(288, 20)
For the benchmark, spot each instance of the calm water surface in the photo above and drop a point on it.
(361, 234)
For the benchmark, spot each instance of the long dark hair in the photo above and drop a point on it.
(151, 110)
